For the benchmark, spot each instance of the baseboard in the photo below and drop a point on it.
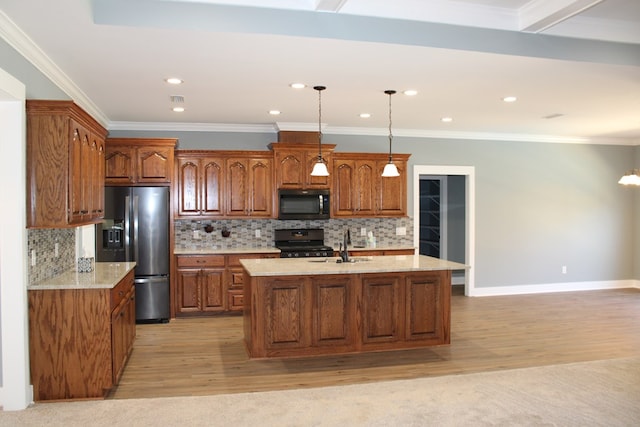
(553, 287)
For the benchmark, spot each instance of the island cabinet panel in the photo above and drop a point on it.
(286, 303)
(333, 317)
(424, 293)
(306, 315)
(80, 339)
(381, 298)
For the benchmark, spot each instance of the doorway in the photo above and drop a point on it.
(444, 216)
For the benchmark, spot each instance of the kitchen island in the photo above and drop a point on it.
(318, 306)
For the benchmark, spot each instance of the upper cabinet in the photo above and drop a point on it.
(139, 161)
(295, 158)
(224, 184)
(65, 165)
(359, 190)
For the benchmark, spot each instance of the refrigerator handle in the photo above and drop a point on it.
(127, 227)
(135, 228)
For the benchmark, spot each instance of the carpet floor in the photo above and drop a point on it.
(599, 393)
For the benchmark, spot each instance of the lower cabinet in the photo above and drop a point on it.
(80, 339)
(210, 284)
(291, 316)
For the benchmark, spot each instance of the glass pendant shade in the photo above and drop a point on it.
(390, 170)
(631, 178)
(320, 169)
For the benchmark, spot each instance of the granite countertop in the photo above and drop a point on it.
(227, 251)
(377, 248)
(105, 275)
(366, 264)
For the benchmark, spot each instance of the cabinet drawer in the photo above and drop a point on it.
(121, 289)
(201, 261)
(236, 300)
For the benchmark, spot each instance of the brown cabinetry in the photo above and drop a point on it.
(65, 172)
(200, 186)
(294, 163)
(80, 339)
(224, 184)
(132, 161)
(359, 190)
(201, 287)
(209, 284)
(291, 316)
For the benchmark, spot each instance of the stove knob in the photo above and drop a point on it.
(295, 254)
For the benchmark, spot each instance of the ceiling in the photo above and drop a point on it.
(574, 65)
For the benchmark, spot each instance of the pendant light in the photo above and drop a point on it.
(631, 178)
(390, 169)
(320, 169)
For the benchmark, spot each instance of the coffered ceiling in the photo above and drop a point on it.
(574, 65)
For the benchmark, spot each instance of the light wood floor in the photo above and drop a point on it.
(206, 356)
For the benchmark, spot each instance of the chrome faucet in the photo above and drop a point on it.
(344, 246)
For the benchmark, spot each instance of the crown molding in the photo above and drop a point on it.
(17, 39)
(192, 127)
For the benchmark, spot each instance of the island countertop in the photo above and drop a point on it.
(362, 264)
(105, 275)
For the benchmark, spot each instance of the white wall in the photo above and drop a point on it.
(16, 392)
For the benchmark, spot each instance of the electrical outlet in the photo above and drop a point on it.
(363, 231)
(56, 249)
(258, 233)
(564, 269)
(401, 231)
(33, 257)
(196, 234)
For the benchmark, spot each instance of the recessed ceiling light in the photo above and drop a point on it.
(298, 85)
(174, 81)
(178, 109)
(365, 115)
(274, 112)
(509, 99)
(410, 92)
(446, 119)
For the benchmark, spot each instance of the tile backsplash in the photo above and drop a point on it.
(191, 234)
(43, 242)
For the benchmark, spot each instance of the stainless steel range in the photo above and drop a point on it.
(302, 242)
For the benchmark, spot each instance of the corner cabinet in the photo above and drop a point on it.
(224, 184)
(83, 355)
(65, 165)
(132, 161)
(359, 190)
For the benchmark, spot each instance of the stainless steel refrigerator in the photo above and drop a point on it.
(136, 228)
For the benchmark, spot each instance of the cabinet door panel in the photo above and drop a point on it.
(381, 307)
(188, 188)
(154, 164)
(189, 290)
(423, 314)
(213, 292)
(237, 182)
(213, 187)
(119, 165)
(261, 193)
(333, 323)
(343, 199)
(364, 188)
(290, 169)
(392, 191)
(285, 314)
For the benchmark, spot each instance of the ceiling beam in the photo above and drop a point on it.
(538, 15)
(330, 5)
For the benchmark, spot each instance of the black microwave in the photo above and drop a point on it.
(303, 204)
